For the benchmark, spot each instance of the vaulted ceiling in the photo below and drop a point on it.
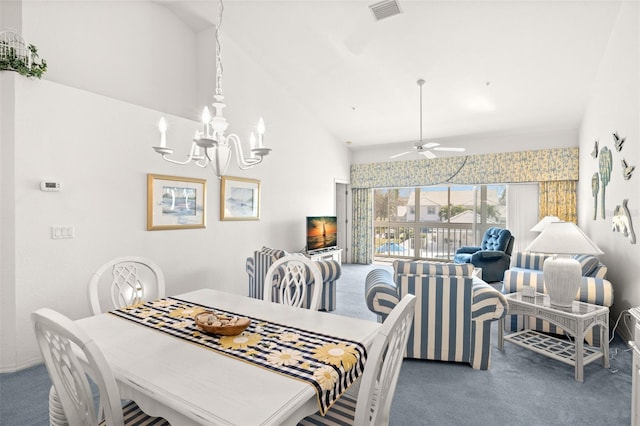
(489, 66)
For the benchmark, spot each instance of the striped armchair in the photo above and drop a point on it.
(262, 259)
(453, 313)
(526, 270)
(257, 266)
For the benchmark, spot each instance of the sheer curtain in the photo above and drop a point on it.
(362, 246)
(522, 213)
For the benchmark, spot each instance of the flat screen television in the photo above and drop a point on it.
(322, 233)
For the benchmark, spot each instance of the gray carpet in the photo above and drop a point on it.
(521, 388)
(24, 397)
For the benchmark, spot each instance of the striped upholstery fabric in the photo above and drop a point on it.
(588, 263)
(526, 260)
(442, 322)
(342, 413)
(331, 271)
(431, 268)
(591, 266)
(488, 305)
(380, 293)
(595, 290)
(133, 415)
(257, 267)
(535, 261)
(453, 313)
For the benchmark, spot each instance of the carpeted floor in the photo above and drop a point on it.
(24, 397)
(521, 388)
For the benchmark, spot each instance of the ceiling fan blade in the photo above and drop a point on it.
(429, 154)
(429, 145)
(401, 154)
(448, 148)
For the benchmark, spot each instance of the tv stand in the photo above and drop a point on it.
(328, 254)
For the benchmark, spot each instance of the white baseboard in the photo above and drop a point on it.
(21, 366)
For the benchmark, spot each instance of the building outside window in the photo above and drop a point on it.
(432, 222)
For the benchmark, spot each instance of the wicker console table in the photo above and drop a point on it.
(576, 321)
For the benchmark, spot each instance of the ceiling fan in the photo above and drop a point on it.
(426, 148)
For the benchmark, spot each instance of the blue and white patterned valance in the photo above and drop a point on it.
(557, 164)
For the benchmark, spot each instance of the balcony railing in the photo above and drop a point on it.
(438, 242)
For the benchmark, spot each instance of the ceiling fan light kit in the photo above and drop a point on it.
(426, 148)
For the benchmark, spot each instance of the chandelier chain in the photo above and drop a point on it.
(219, 66)
(211, 145)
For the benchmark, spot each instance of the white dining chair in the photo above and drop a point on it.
(378, 382)
(287, 282)
(125, 281)
(60, 341)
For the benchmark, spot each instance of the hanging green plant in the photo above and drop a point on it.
(16, 56)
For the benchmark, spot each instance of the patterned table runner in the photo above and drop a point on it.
(328, 363)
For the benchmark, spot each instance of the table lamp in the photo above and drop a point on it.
(544, 222)
(562, 274)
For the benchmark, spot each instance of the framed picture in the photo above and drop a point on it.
(175, 202)
(239, 198)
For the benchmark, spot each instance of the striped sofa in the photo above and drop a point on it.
(453, 313)
(526, 270)
(259, 263)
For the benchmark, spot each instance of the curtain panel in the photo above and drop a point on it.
(362, 245)
(558, 199)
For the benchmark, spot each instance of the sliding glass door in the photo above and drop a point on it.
(431, 222)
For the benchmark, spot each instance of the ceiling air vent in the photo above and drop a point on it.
(385, 9)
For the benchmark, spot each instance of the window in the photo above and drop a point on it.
(433, 222)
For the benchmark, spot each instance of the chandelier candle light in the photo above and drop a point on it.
(216, 146)
(562, 274)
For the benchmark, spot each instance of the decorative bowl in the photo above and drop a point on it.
(221, 324)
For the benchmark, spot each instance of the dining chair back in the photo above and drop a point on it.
(290, 278)
(125, 281)
(378, 382)
(60, 341)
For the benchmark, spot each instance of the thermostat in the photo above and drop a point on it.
(51, 185)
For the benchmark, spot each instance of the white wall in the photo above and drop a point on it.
(615, 106)
(136, 51)
(100, 148)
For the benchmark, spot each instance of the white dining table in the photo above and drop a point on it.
(190, 385)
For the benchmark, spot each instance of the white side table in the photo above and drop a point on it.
(576, 321)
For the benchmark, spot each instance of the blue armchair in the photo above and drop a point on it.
(493, 256)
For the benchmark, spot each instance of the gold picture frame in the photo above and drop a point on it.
(175, 202)
(239, 198)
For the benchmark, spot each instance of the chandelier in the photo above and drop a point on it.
(210, 145)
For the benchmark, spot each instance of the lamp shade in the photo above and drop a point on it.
(562, 273)
(563, 238)
(544, 222)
